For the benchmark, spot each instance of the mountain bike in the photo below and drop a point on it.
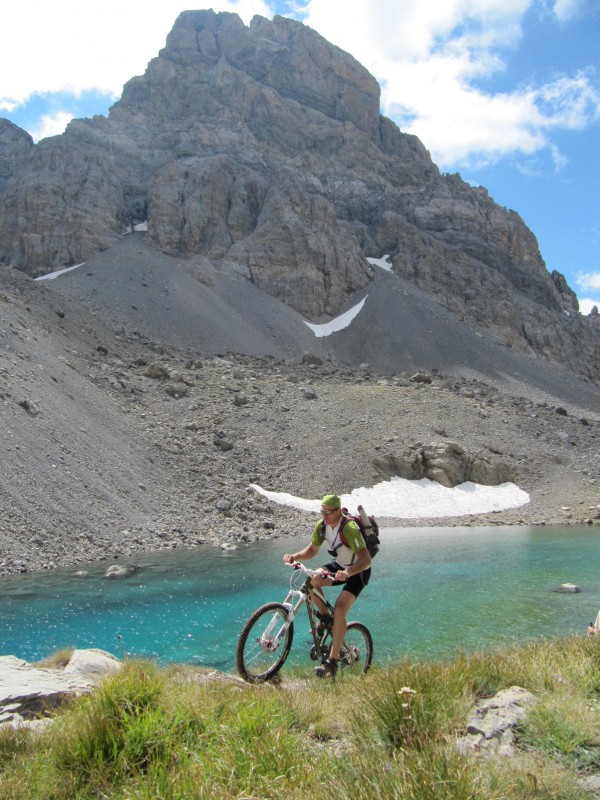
(266, 639)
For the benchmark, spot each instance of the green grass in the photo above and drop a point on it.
(148, 733)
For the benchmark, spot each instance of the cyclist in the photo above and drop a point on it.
(351, 568)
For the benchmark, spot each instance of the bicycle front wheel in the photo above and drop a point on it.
(357, 651)
(264, 643)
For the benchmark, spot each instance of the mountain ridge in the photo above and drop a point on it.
(189, 305)
(263, 147)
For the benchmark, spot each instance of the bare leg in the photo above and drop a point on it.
(318, 582)
(340, 614)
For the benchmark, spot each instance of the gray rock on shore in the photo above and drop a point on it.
(491, 725)
(28, 693)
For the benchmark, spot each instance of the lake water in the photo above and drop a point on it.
(433, 590)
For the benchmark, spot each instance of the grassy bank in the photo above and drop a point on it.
(153, 733)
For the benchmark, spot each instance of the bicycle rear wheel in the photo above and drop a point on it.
(264, 643)
(356, 653)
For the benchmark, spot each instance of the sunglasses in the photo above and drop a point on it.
(327, 513)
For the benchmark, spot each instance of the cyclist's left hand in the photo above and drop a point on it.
(341, 575)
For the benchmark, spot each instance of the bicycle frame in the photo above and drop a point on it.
(297, 597)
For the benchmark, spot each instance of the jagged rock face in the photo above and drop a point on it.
(446, 463)
(66, 203)
(15, 145)
(284, 55)
(263, 146)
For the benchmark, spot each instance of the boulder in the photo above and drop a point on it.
(446, 463)
(421, 377)
(157, 371)
(120, 571)
(29, 693)
(92, 664)
(491, 725)
(312, 359)
(177, 390)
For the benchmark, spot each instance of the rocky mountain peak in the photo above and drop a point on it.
(260, 150)
(282, 54)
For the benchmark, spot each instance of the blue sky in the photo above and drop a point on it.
(505, 92)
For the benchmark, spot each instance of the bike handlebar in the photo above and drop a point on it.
(310, 572)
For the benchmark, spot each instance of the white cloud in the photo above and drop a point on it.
(461, 123)
(586, 305)
(566, 10)
(570, 102)
(588, 280)
(74, 46)
(387, 31)
(51, 125)
(427, 57)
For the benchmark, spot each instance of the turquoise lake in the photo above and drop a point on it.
(433, 590)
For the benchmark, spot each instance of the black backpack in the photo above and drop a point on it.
(368, 527)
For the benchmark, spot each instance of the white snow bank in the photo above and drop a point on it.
(51, 275)
(384, 263)
(404, 499)
(337, 324)
(139, 227)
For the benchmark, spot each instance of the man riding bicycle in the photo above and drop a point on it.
(351, 568)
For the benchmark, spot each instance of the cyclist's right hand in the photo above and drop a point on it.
(288, 559)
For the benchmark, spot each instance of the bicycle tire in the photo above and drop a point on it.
(356, 653)
(260, 654)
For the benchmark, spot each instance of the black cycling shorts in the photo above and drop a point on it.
(355, 583)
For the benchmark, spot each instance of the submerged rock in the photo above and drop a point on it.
(120, 571)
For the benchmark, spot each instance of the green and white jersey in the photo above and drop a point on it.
(353, 539)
